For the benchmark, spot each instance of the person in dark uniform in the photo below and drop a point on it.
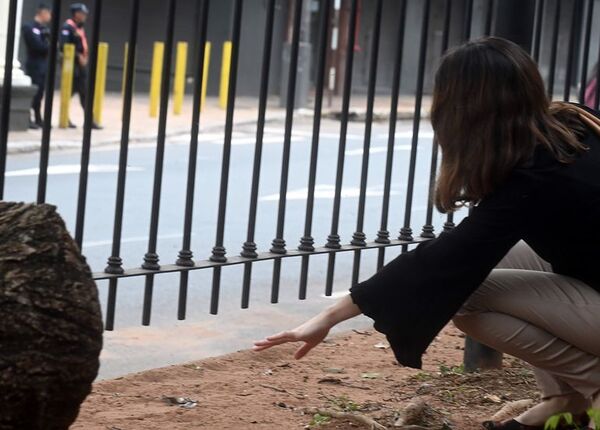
(36, 35)
(73, 32)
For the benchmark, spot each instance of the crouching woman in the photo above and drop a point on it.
(520, 273)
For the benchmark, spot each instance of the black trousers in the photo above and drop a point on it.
(38, 78)
(80, 84)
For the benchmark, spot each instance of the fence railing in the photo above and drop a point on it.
(577, 59)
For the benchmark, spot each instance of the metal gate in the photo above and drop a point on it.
(577, 59)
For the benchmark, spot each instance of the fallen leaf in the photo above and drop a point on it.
(370, 375)
(492, 398)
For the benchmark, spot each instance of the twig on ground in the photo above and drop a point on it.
(354, 416)
(338, 381)
(283, 390)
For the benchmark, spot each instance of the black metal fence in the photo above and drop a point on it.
(577, 59)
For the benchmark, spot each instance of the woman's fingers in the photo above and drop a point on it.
(276, 339)
(283, 335)
(303, 350)
(270, 342)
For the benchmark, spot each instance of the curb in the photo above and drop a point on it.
(27, 147)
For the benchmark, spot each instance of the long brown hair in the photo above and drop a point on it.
(489, 112)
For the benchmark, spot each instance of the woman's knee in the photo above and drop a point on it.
(464, 321)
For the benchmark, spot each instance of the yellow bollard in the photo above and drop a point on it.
(205, 73)
(156, 77)
(66, 83)
(225, 69)
(100, 81)
(124, 70)
(180, 70)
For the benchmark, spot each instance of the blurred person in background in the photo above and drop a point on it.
(73, 32)
(36, 35)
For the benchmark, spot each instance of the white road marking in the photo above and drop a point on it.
(326, 192)
(377, 150)
(72, 169)
(407, 135)
(308, 133)
(97, 243)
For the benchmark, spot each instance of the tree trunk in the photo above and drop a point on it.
(50, 321)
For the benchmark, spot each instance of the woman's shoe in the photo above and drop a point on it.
(581, 421)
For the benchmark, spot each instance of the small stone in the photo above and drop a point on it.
(334, 370)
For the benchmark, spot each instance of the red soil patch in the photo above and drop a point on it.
(271, 390)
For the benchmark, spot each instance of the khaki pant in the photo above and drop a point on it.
(548, 320)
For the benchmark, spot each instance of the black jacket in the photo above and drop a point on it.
(68, 34)
(36, 38)
(552, 206)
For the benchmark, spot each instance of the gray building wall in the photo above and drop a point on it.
(115, 24)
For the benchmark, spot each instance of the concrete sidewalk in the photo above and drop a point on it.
(144, 128)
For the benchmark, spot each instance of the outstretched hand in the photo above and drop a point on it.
(312, 332)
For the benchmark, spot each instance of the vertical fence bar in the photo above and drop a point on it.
(307, 241)
(476, 355)
(151, 257)
(586, 50)
(249, 247)
(333, 240)
(278, 244)
(468, 20)
(406, 231)
(124, 77)
(218, 252)
(383, 235)
(554, 50)
(537, 29)
(185, 255)
(489, 17)
(115, 263)
(449, 224)
(597, 95)
(48, 101)
(359, 237)
(467, 37)
(571, 51)
(87, 124)
(428, 228)
(6, 90)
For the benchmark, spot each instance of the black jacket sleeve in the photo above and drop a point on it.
(36, 42)
(68, 35)
(415, 295)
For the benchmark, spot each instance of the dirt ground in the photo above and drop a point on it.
(354, 372)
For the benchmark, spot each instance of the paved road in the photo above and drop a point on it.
(131, 347)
